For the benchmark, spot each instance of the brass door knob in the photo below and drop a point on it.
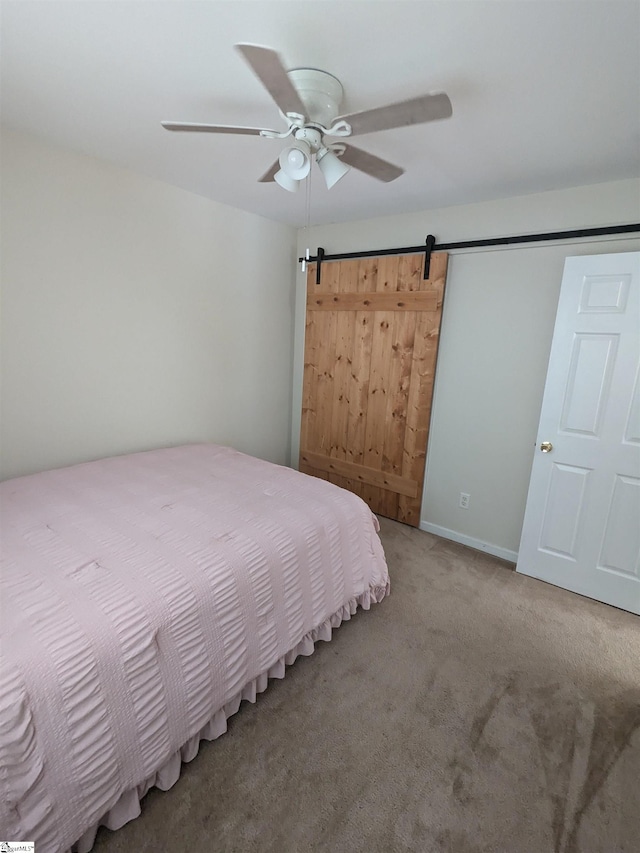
(546, 447)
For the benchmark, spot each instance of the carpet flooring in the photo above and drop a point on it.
(474, 710)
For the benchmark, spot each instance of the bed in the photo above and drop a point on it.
(143, 598)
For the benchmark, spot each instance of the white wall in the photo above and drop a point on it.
(136, 315)
(496, 334)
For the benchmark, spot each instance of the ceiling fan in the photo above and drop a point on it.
(309, 101)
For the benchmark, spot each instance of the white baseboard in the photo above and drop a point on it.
(478, 544)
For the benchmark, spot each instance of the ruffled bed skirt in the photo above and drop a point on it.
(128, 805)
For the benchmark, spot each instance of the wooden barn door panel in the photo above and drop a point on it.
(370, 353)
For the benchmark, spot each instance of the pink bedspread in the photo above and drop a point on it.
(143, 597)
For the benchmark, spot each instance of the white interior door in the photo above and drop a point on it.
(582, 521)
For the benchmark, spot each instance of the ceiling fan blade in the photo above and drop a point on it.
(211, 128)
(401, 114)
(268, 68)
(269, 175)
(370, 164)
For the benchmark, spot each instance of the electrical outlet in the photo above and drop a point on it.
(464, 500)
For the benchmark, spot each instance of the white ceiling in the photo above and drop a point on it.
(545, 93)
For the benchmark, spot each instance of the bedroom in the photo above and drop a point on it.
(144, 308)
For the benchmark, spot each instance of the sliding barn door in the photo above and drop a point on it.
(371, 343)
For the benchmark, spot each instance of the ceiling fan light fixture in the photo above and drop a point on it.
(295, 161)
(283, 180)
(309, 101)
(331, 166)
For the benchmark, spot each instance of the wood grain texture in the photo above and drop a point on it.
(374, 275)
(327, 329)
(345, 333)
(420, 398)
(371, 342)
(360, 473)
(418, 301)
(309, 384)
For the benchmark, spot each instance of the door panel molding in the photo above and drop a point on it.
(593, 358)
(563, 510)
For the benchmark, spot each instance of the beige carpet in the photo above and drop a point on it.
(474, 710)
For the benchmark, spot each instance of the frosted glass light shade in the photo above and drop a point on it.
(287, 183)
(295, 161)
(331, 166)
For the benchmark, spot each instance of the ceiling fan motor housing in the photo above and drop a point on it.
(310, 135)
(320, 92)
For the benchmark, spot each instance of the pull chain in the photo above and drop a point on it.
(305, 259)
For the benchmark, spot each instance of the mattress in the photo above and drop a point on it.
(143, 597)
